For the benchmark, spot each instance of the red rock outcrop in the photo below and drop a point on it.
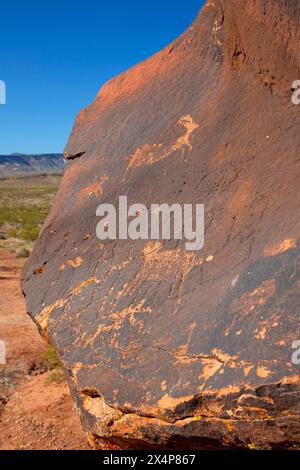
(166, 348)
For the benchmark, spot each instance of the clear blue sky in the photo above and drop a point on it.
(55, 55)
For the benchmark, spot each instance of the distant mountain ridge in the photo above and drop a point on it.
(19, 163)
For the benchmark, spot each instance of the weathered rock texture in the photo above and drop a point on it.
(166, 348)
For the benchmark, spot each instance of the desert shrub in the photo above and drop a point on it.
(56, 376)
(24, 206)
(12, 232)
(23, 252)
(26, 222)
(50, 359)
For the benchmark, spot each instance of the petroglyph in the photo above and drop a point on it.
(149, 154)
(75, 263)
(94, 189)
(256, 298)
(275, 250)
(43, 317)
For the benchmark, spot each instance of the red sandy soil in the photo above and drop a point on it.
(36, 415)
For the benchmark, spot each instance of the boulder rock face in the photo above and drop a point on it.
(163, 347)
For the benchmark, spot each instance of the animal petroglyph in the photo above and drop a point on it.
(149, 154)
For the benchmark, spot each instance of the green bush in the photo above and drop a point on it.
(23, 252)
(56, 377)
(26, 222)
(24, 205)
(50, 359)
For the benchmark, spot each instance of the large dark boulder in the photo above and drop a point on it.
(163, 347)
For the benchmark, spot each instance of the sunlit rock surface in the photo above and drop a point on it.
(163, 347)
